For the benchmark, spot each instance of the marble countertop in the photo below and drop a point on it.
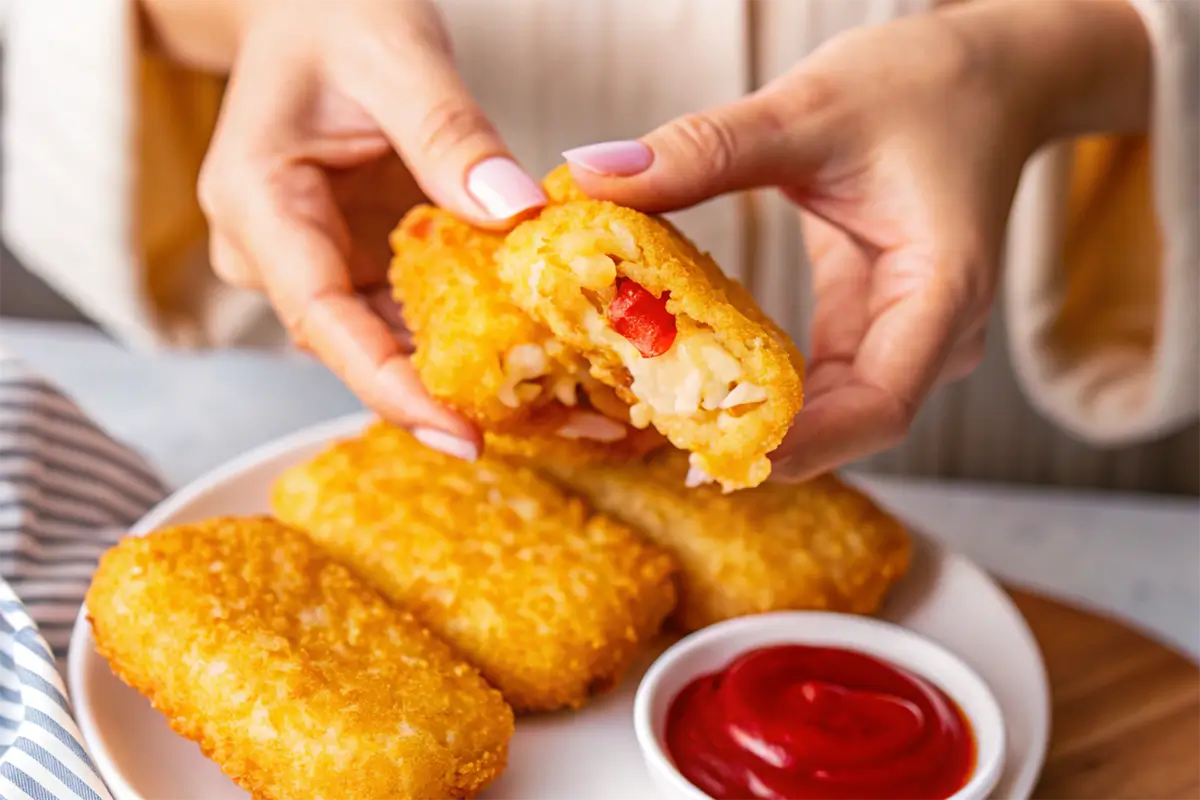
(1137, 557)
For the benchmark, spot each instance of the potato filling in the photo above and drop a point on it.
(522, 365)
(677, 366)
(531, 372)
(696, 373)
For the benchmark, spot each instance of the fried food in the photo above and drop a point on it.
(476, 351)
(819, 545)
(292, 674)
(560, 187)
(682, 344)
(536, 447)
(549, 601)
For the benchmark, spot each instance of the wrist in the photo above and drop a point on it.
(1067, 68)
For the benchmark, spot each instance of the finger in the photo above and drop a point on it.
(405, 77)
(384, 306)
(964, 358)
(304, 268)
(852, 419)
(854, 408)
(841, 282)
(765, 139)
(230, 265)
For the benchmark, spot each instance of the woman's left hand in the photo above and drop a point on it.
(902, 145)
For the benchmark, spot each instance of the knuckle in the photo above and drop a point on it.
(706, 138)
(970, 356)
(210, 190)
(237, 276)
(898, 417)
(968, 277)
(804, 93)
(226, 267)
(976, 285)
(450, 125)
(975, 355)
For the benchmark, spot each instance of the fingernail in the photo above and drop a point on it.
(503, 188)
(445, 443)
(612, 158)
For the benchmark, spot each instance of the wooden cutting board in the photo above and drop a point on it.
(1126, 718)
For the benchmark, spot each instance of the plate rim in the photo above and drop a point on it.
(82, 644)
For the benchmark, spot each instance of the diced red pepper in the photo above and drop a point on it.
(642, 318)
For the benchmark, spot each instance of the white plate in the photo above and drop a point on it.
(589, 754)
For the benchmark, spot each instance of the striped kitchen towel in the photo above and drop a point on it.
(67, 493)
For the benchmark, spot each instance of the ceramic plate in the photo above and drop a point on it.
(589, 754)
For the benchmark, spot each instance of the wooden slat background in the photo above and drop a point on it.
(558, 73)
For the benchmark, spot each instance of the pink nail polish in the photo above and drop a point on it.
(612, 158)
(503, 188)
(445, 443)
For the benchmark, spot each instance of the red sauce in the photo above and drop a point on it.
(642, 318)
(797, 722)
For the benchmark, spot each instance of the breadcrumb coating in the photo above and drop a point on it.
(466, 330)
(293, 675)
(730, 385)
(549, 601)
(560, 187)
(820, 545)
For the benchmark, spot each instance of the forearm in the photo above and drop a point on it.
(1071, 66)
(201, 34)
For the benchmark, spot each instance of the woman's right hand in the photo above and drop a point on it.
(340, 115)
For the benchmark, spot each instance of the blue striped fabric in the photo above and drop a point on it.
(67, 492)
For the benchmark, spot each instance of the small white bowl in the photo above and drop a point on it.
(712, 649)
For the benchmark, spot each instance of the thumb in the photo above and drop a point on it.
(746, 144)
(411, 87)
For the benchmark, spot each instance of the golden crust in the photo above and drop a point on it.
(464, 327)
(293, 675)
(534, 262)
(462, 322)
(549, 601)
(819, 545)
(637, 445)
(560, 187)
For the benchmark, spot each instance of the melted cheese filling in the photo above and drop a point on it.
(696, 374)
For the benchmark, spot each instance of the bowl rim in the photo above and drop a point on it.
(872, 636)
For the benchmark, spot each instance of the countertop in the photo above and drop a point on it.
(1136, 557)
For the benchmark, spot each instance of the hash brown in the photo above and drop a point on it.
(729, 386)
(819, 545)
(548, 600)
(291, 673)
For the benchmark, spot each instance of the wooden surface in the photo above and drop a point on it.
(1126, 719)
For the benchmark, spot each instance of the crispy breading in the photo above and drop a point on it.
(819, 545)
(550, 601)
(464, 326)
(637, 445)
(561, 268)
(292, 674)
(474, 349)
(560, 187)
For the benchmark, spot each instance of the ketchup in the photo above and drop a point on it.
(795, 722)
(642, 318)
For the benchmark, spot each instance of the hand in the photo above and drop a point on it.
(902, 145)
(338, 117)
